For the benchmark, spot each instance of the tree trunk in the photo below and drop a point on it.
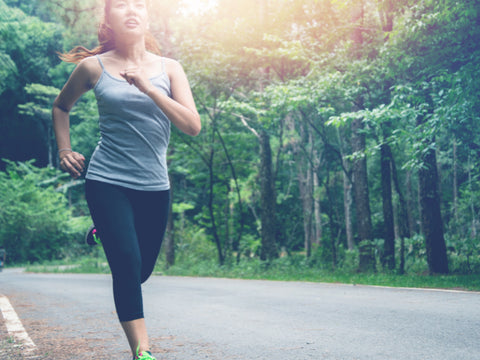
(52, 159)
(305, 188)
(267, 199)
(227, 215)
(411, 205)
(347, 204)
(347, 197)
(221, 258)
(403, 216)
(474, 226)
(455, 182)
(317, 210)
(431, 216)
(234, 241)
(386, 16)
(305, 176)
(334, 224)
(304, 158)
(388, 258)
(359, 169)
(362, 201)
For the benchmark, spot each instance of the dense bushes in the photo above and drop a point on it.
(36, 224)
(35, 221)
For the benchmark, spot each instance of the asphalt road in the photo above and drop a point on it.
(71, 317)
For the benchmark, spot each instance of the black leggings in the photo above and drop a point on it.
(131, 225)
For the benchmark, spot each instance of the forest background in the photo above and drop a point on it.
(338, 135)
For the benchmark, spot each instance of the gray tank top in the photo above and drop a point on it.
(134, 135)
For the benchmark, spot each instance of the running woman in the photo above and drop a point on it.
(139, 93)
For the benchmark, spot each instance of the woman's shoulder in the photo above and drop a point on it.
(171, 63)
(162, 59)
(90, 69)
(90, 63)
(172, 67)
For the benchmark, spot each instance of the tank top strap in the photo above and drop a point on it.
(100, 61)
(163, 64)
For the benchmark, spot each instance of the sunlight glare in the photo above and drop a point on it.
(196, 7)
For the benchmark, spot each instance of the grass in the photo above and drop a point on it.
(9, 349)
(258, 271)
(286, 269)
(83, 265)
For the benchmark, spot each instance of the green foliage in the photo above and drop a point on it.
(8, 70)
(30, 43)
(289, 68)
(34, 217)
(39, 110)
(85, 132)
(192, 246)
(464, 254)
(42, 97)
(28, 48)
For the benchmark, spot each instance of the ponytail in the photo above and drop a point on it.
(78, 53)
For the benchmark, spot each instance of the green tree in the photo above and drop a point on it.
(28, 46)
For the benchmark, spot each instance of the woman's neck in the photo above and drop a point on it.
(131, 53)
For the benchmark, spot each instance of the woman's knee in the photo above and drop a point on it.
(146, 273)
(123, 260)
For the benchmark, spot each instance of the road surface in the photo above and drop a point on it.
(72, 317)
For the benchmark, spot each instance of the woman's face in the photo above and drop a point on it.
(128, 17)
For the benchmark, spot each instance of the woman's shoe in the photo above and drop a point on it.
(144, 355)
(91, 237)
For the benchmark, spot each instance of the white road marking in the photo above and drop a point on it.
(14, 325)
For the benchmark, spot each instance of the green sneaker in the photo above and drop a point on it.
(144, 355)
(91, 237)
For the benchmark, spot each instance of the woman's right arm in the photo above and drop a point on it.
(82, 79)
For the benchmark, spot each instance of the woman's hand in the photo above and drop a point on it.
(73, 163)
(136, 76)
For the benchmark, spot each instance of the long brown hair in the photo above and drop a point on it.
(106, 41)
